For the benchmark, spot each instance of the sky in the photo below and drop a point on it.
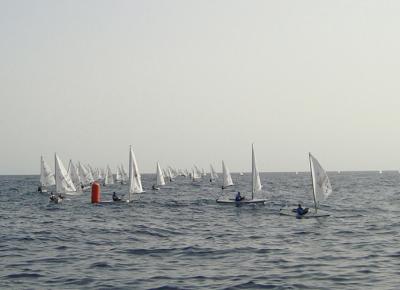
(196, 82)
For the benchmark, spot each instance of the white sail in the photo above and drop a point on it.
(85, 175)
(108, 176)
(321, 185)
(226, 175)
(196, 173)
(124, 175)
(160, 176)
(135, 182)
(118, 176)
(64, 183)
(213, 174)
(73, 173)
(255, 176)
(46, 175)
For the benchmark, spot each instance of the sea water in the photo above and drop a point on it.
(180, 238)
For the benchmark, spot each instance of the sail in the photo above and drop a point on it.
(118, 175)
(255, 176)
(226, 175)
(321, 185)
(123, 173)
(64, 183)
(213, 174)
(135, 182)
(196, 174)
(46, 175)
(160, 177)
(73, 173)
(108, 176)
(85, 175)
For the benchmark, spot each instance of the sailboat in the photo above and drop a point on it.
(159, 178)
(196, 176)
(321, 190)
(64, 184)
(135, 182)
(46, 176)
(108, 176)
(73, 173)
(118, 175)
(124, 175)
(213, 174)
(255, 184)
(85, 176)
(226, 176)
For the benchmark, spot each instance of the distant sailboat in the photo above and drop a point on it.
(124, 175)
(108, 176)
(73, 173)
(226, 176)
(46, 176)
(118, 175)
(321, 190)
(86, 176)
(213, 174)
(196, 176)
(135, 182)
(159, 178)
(64, 184)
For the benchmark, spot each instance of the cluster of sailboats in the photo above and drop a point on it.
(79, 177)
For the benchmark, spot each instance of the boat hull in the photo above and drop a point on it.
(288, 211)
(244, 201)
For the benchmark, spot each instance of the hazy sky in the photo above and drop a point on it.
(193, 82)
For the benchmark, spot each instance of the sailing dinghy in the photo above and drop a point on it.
(321, 190)
(135, 182)
(159, 178)
(46, 176)
(213, 174)
(255, 181)
(73, 173)
(64, 184)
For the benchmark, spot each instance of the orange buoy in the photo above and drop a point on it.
(96, 196)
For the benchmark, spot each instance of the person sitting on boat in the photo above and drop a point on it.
(115, 197)
(52, 196)
(154, 187)
(239, 197)
(60, 196)
(39, 188)
(301, 211)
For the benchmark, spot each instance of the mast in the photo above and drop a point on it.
(252, 171)
(312, 180)
(55, 170)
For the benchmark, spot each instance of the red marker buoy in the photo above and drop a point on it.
(96, 196)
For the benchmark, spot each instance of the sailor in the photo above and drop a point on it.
(301, 211)
(60, 196)
(52, 196)
(154, 187)
(239, 197)
(115, 197)
(39, 188)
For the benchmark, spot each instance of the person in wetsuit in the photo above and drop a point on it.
(239, 197)
(301, 211)
(115, 197)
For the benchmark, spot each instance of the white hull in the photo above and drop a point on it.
(244, 201)
(288, 211)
